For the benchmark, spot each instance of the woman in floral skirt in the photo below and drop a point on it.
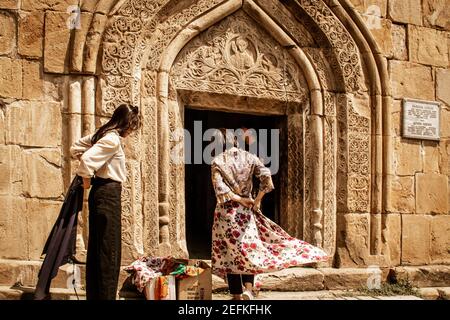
(244, 241)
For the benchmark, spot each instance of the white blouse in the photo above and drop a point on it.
(104, 159)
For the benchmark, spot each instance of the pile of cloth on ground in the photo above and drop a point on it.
(160, 273)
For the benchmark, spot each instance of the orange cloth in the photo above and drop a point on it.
(161, 287)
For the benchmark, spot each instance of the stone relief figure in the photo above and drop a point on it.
(269, 63)
(240, 57)
(208, 55)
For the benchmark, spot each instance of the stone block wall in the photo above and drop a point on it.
(414, 36)
(31, 130)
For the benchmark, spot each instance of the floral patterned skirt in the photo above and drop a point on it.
(246, 242)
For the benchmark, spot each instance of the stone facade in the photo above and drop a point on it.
(338, 70)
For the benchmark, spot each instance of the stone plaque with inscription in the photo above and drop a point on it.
(421, 119)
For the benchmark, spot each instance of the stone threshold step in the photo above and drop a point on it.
(319, 295)
(27, 293)
(25, 273)
(292, 279)
(436, 293)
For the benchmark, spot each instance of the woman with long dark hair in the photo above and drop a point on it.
(244, 241)
(102, 165)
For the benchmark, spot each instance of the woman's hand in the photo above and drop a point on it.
(247, 202)
(86, 183)
(256, 206)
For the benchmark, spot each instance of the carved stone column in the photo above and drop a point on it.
(88, 105)
(163, 161)
(317, 185)
(330, 174)
(151, 224)
(176, 184)
(75, 131)
(294, 215)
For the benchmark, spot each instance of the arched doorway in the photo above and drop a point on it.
(261, 77)
(340, 123)
(268, 141)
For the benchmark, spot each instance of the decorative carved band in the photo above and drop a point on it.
(343, 44)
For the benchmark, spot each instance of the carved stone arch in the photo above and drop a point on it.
(381, 142)
(163, 106)
(155, 27)
(136, 38)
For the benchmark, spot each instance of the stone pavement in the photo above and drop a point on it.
(17, 281)
(317, 295)
(7, 293)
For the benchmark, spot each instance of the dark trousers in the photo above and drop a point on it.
(104, 245)
(236, 281)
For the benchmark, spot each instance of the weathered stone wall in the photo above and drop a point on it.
(414, 35)
(31, 126)
(44, 108)
(48, 57)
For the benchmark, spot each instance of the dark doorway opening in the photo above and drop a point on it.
(199, 193)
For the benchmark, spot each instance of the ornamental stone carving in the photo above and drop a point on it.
(343, 45)
(236, 57)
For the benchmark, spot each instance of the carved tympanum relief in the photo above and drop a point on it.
(237, 57)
